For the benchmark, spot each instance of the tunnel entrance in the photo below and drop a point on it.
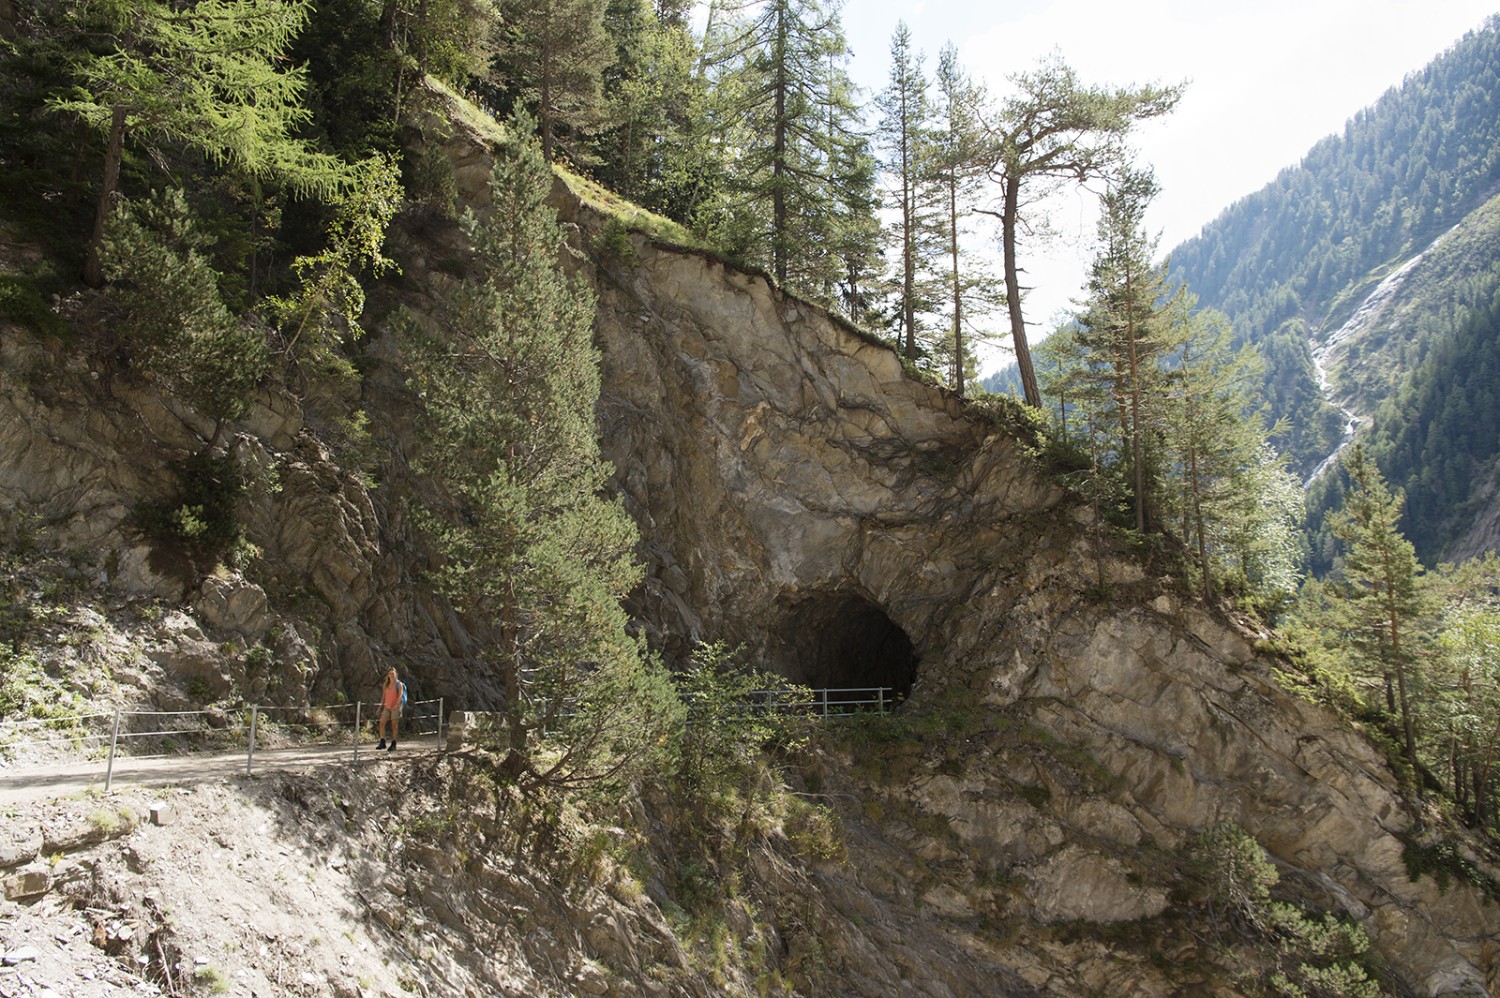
(842, 640)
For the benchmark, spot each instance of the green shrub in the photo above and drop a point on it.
(22, 302)
(733, 715)
(200, 524)
(1315, 955)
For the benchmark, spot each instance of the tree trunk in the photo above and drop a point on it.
(958, 305)
(778, 160)
(908, 240)
(114, 151)
(1009, 218)
(1137, 457)
(517, 757)
(1408, 729)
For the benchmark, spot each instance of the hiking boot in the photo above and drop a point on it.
(381, 745)
(393, 746)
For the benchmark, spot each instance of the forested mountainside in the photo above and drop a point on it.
(1295, 265)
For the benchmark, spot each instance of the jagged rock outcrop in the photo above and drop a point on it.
(797, 493)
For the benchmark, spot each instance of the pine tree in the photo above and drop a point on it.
(1380, 596)
(167, 308)
(786, 119)
(1131, 322)
(855, 238)
(906, 134)
(959, 165)
(508, 383)
(1238, 506)
(650, 149)
(1054, 130)
(207, 76)
(555, 53)
(1464, 709)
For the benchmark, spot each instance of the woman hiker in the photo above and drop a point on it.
(390, 709)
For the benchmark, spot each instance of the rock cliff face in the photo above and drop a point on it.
(799, 494)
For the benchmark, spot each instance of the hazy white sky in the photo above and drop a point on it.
(1266, 80)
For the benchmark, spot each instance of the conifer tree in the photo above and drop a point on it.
(855, 241)
(959, 167)
(555, 53)
(330, 298)
(1129, 324)
(906, 127)
(650, 149)
(1238, 506)
(1055, 130)
(207, 76)
(786, 117)
(1380, 597)
(167, 308)
(508, 382)
(1465, 710)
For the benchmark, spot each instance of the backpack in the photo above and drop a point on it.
(403, 693)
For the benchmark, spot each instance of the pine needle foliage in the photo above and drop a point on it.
(207, 76)
(168, 311)
(507, 378)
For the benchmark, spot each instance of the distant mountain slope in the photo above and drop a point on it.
(1297, 266)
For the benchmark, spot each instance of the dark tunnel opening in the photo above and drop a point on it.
(842, 640)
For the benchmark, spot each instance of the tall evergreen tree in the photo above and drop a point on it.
(1237, 504)
(1465, 707)
(959, 167)
(1055, 130)
(1380, 599)
(856, 235)
(905, 132)
(508, 383)
(787, 120)
(650, 149)
(1130, 323)
(852, 259)
(206, 76)
(553, 54)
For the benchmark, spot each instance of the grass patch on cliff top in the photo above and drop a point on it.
(632, 216)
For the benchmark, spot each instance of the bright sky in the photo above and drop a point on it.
(1266, 81)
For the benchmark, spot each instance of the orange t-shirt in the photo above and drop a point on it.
(392, 696)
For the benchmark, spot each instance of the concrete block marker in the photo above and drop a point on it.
(163, 814)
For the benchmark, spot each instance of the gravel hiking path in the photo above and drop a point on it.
(29, 784)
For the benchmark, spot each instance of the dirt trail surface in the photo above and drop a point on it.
(220, 885)
(325, 881)
(24, 785)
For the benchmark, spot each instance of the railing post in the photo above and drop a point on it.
(250, 755)
(114, 739)
(357, 706)
(824, 694)
(440, 726)
(880, 696)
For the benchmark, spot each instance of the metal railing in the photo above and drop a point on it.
(842, 702)
(161, 734)
(829, 703)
